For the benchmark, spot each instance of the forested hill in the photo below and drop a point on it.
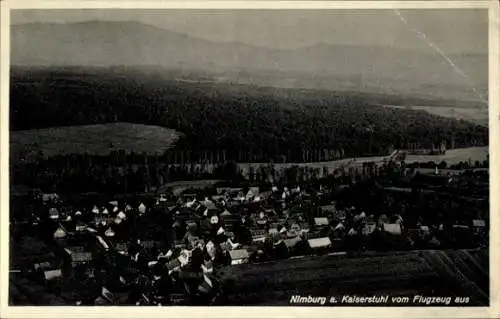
(367, 68)
(213, 115)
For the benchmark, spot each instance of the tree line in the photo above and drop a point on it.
(122, 172)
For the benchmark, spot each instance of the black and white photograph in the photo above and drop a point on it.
(249, 157)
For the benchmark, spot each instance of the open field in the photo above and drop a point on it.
(453, 156)
(95, 139)
(475, 115)
(394, 274)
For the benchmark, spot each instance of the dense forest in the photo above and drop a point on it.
(267, 122)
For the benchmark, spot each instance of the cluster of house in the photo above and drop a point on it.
(169, 250)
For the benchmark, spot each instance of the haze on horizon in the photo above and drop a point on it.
(455, 31)
(441, 53)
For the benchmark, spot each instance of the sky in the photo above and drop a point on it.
(454, 31)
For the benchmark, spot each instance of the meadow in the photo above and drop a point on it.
(99, 139)
(471, 114)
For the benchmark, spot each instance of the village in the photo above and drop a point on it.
(169, 248)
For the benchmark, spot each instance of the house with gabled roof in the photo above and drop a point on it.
(122, 247)
(273, 231)
(42, 266)
(80, 226)
(52, 275)
(239, 256)
(47, 271)
(78, 256)
(369, 228)
(60, 232)
(479, 226)
(81, 257)
(321, 222)
(74, 257)
(230, 220)
(320, 244)
(54, 213)
(328, 209)
(478, 223)
(258, 235)
(50, 197)
(393, 229)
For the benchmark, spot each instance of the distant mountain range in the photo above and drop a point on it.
(325, 66)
